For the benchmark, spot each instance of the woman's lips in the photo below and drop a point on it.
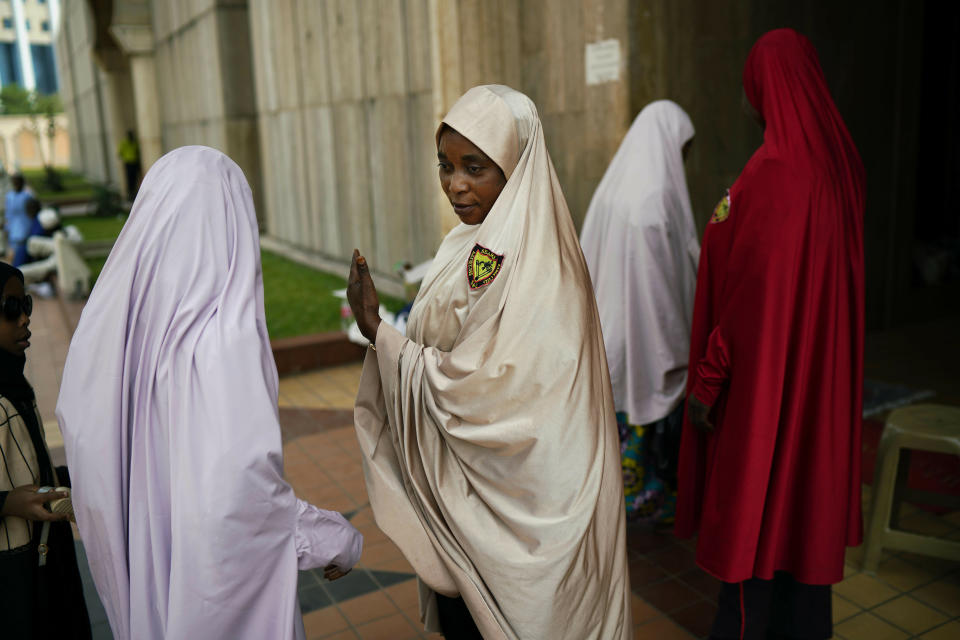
(25, 340)
(463, 209)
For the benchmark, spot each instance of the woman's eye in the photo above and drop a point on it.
(444, 166)
(475, 169)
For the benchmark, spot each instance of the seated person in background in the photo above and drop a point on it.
(41, 248)
(49, 220)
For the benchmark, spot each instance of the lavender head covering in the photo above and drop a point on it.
(168, 410)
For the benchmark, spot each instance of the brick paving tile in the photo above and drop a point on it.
(641, 611)
(405, 595)
(323, 622)
(347, 634)
(644, 572)
(371, 606)
(661, 629)
(396, 627)
(669, 595)
(674, 559)
(696, 618)
(702, 582)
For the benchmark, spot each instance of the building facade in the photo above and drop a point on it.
(330, 106)
(27, 38)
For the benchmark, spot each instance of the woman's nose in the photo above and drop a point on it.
(459, 183)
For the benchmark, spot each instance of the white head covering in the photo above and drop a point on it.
(49, 218)
(169, 414)
(640, 242)
(489, 438)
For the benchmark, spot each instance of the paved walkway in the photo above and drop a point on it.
(911, 596)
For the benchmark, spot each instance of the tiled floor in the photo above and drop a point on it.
(911, 596)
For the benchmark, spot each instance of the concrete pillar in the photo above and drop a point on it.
(447, 83)
(134, 33)
(143, 70)
(23, 46)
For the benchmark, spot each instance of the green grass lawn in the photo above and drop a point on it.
(97, 228)
(299, 300)
(96, 266)
(75, 186)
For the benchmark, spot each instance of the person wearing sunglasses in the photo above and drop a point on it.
(38, 564)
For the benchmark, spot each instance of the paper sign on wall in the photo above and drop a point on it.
(603, 61)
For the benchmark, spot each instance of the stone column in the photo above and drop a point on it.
(144, 72)
(136, 40)
(447, 82)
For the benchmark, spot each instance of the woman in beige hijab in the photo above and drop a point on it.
(488, 431)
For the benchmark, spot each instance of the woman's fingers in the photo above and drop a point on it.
(333, 572)
(354, 273)
(39, 513)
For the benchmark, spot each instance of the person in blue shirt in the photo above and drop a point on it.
(16, 222)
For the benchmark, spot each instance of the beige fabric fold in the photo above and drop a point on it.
(488, 433)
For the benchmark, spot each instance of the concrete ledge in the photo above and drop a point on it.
(314, 351)
(95, 248)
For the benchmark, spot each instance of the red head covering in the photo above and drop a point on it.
(784, 82)
(777, 340)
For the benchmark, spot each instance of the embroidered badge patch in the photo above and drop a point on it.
(722, 211)
(483, 266)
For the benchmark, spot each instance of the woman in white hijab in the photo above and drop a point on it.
(169, 414)
(488, 432)
(640, 243)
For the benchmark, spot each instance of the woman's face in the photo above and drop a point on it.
(14, 334)
(471, 180)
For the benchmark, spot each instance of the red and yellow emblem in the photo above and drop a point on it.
(483, 266)
(722, 211)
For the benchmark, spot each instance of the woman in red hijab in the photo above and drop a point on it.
(770, 457)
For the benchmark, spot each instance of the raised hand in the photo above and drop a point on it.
(362, 296)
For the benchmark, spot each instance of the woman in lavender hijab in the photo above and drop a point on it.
(168, 408)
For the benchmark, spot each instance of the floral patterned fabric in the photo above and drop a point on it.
(648, 455)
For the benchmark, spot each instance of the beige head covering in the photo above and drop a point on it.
(489, 437)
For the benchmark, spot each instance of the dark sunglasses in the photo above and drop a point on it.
(14, 307)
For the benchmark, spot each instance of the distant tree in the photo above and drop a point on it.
(15, 100)
(48, 105)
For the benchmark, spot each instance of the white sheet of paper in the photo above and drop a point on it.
(603, 61)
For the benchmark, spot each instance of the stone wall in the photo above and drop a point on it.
(537, 47)
(346, 128)
(83, 89)
(330, 106)
(870, 56)
(350, 94)
(204, 80)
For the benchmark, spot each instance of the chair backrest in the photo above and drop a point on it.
(73, 275)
